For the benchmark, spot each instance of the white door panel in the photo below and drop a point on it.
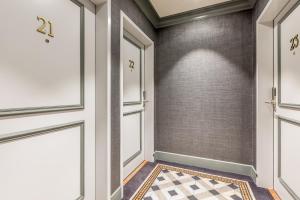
(131, 72)
(287, 116)
(133, 108)
(289, 43)
(36, 76)
(41, 74)
(51, 156)
(132, 135)
(289, 159)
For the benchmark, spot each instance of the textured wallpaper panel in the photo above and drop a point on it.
(205, 88)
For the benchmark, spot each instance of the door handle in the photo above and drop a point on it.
(273, 103)
(270, 102)
(144, 102)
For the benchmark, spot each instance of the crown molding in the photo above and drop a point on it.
(214, 10)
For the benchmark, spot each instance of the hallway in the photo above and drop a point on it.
(149, 99)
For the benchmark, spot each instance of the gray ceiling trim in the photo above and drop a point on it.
(219, 9)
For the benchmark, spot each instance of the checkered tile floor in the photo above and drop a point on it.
(170, 184)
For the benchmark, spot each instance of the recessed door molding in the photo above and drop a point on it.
(132, 40)
(281, 179)
(141, 137)
(52, 108)
(280, 66)
(23, 135)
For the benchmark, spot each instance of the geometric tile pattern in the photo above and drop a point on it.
(173, 183)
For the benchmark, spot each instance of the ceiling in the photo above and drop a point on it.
(166, 8)
(97, 2)
(164, 13)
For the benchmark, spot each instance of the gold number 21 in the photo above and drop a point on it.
(294, 42)
(42, 28)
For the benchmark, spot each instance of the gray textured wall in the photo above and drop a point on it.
(205, 89)
(131, 10)
(259, 6)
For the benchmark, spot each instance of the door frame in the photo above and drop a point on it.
(127, 24)
(103, 99)
(264, 83)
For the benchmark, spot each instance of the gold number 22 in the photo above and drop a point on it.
(131, 65)
(42, 28)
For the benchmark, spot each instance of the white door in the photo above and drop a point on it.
(287, 112)
(47, 104)
(133, 104)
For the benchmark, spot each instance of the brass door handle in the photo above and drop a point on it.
(271, 102)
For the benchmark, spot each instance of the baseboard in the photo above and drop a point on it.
(134, 172)
(237, 168)
(274, 194)
(117, 195)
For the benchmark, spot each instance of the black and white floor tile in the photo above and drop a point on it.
(139, 179)
(177, 185)
(173, 183)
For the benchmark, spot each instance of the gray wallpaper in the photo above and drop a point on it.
(205, 89)
(133, 12)
(260, 5)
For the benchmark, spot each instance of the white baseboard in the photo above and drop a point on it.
(117, 195)
(237, 168)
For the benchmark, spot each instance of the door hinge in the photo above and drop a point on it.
(144, 94)
(274, 93)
